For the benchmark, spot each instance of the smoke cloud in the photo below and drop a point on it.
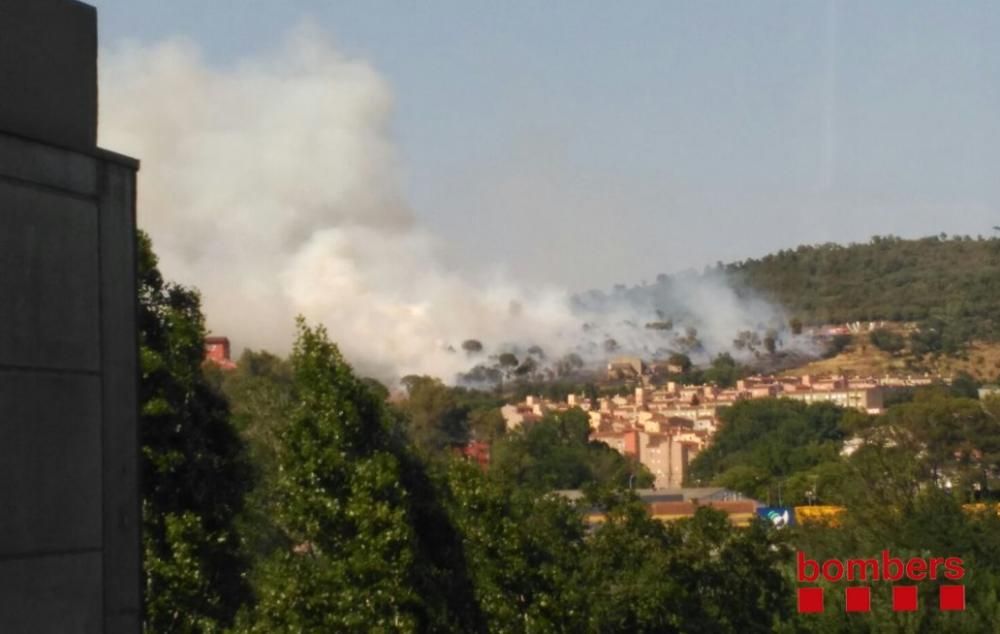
(272, 186)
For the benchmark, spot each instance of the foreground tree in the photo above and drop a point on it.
(194, 470)
(523, 550)
(346, 564)
(365, 547)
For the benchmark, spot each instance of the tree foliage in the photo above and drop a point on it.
(887, 278)
(434, 417)
(195, 473)
(887, 340)
(472, 346)
(347, 561)
(556, 453)
(837, 344)
(537, 569)
(364, 545)
(764, 443)
(695, 575)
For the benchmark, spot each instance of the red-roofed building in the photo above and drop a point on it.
(477, 451)
(218, 352)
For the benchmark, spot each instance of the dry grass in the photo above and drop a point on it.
(856, 360)
(981, 360)
(861, 358)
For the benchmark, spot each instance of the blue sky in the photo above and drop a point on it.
(588, 143)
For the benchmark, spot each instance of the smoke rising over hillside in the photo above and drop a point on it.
(272, 187)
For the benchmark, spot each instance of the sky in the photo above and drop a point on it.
(584, 144)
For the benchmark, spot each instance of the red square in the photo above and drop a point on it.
(858, 599)
(904, 598)
(810, 600)
(952, 597)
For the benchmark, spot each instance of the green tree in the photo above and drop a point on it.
(795, 325)
(194, 469)
(487, 423)
(569, 364)
(695, 575)
(964, 385)
(523, 549)
(733, 575)
(771, 341)
(347, 562)
(508, 360)
(837, 344)
(537, 352)
(556, 453)
(365, 544)
(724, 371)
(434, 417)
(629, 571)
(472, 346)
(762, 443)
(887, 340)
(946, 441)
(681, 361)
(261, 394)
(527, 368)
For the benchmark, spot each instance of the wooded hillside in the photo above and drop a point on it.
(954, 280)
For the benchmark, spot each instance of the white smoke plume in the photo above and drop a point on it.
(271, 185)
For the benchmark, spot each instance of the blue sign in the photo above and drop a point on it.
(777, 516)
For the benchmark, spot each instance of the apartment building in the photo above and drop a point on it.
(666, 428)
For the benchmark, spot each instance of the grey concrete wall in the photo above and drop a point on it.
(44, 54)
(69, 496)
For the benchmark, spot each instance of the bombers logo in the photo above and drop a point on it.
(883, 568)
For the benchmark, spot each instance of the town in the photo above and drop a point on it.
(665, 427)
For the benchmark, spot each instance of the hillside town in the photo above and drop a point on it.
(665, 427)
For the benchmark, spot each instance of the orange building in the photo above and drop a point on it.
(218, 352)
(477, 451)
(666, 454)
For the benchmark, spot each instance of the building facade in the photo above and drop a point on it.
(70, 527)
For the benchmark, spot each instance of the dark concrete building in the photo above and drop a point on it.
(69, 499)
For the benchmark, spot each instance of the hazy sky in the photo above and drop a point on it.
(587, 143)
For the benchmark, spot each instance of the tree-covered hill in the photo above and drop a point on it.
(945, 290)
(954, 280)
